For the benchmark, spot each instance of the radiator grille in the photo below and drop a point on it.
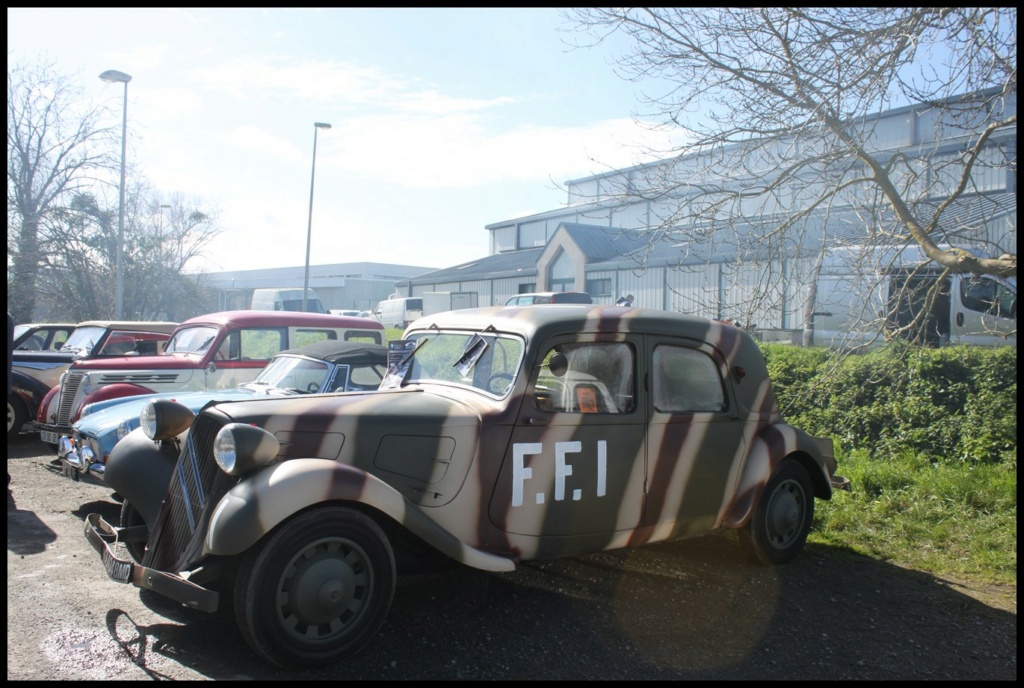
(68, 392)
(196, 484)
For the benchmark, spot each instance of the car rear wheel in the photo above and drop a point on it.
(782, 518)
(318, 590)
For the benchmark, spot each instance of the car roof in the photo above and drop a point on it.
(248, 318)
(571, 296)
(561, 318)
(339, 351)
(132, 325)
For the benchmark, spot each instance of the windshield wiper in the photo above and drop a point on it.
(412, 353)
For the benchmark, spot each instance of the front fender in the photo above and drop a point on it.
(107, 392)
(769, 448)
(140, 470)
(51, 398)
(258, 504)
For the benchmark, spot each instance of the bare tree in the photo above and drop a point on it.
(161, 239)
(785, 154)
(167, 238)
(54, 145)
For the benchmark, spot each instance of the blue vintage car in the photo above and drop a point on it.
(324, 367)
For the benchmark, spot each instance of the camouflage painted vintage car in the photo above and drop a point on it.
(501, 435)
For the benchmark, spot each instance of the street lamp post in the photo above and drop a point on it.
(317, 126)
(113, 76)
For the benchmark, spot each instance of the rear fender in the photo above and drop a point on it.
(776, 443)
(31, 392)
(258, 504)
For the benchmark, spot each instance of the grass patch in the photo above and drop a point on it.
(947, 519)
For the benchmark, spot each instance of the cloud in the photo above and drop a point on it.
(256, 139)
(466, 150)
(325, 81)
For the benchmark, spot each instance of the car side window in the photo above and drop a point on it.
(686, 381)
(598, 377)
(261, 344)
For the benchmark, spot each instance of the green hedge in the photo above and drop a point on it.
(950, 404)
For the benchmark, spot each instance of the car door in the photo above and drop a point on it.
(696, 440)
(573, 473)
(241, 354)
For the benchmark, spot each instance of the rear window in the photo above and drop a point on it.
(571, 297)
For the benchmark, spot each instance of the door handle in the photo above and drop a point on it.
(959, 319)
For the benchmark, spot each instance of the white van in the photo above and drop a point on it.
(277, 299)
(399, 312)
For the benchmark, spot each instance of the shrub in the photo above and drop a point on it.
(950, 404)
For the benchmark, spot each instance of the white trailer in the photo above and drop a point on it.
(441, 301)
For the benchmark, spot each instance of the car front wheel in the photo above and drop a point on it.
(318, 590)
(782, 518)
(15, 416)
(130, 518)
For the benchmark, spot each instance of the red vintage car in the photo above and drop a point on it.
(214, 351)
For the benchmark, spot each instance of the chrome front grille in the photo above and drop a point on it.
(196, 484)
(68, 392)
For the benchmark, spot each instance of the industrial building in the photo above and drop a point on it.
(611, 237)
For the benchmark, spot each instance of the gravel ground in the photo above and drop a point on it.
(685, 610)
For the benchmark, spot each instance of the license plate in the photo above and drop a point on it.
(48, 437)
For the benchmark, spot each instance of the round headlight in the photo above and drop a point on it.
(164, 419)
(147, 420)
(224, 450)
(240, 448)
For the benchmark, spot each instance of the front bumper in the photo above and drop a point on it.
(50, 433)
(76, 461)
(103, 537)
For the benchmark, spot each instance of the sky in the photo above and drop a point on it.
(442, 120)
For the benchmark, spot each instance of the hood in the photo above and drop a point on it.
(103, 415)
(163, 362)
(22, 356)
(399, 410)
(419, 442)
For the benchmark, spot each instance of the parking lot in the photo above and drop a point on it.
(686, 610)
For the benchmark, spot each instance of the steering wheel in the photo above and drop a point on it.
(498, 376)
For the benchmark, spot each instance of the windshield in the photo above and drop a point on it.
(292, 375)
(486, 362)
(193, 340)
(83, 339)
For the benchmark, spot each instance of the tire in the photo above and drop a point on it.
(16, 414)
(130, 517)
(782, 517)
(330, 554)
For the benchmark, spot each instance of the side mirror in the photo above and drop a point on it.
(558, 364)
(211, 367)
